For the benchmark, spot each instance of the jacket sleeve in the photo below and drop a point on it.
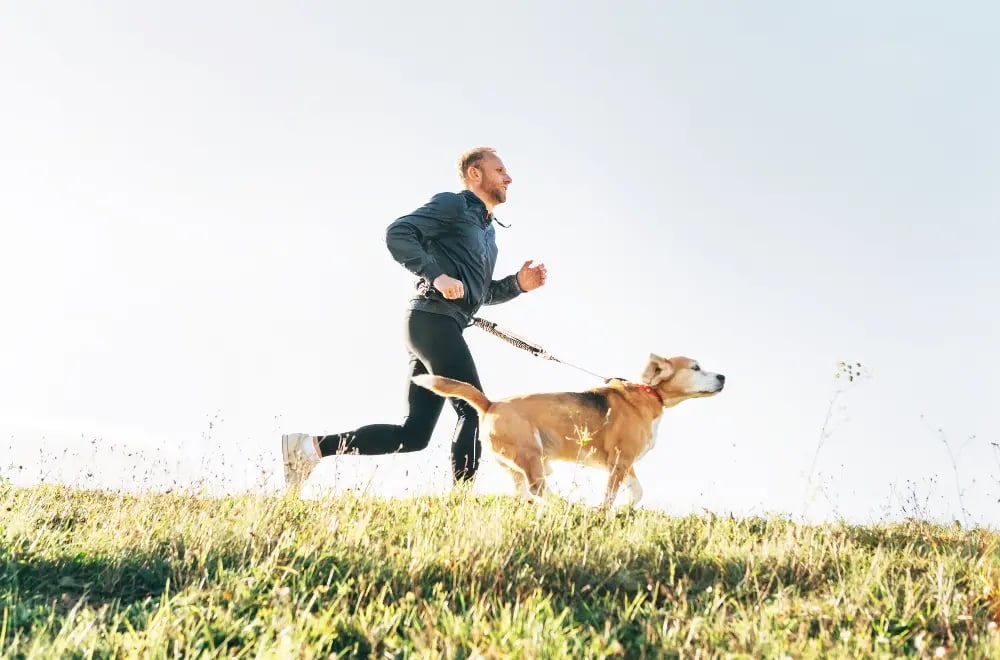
(405, 237)
(501, 291)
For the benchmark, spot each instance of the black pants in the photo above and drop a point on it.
(435, 345)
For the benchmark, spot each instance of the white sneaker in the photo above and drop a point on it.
(299, 455)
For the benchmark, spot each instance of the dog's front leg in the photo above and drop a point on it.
(633, 487)
(616, 475)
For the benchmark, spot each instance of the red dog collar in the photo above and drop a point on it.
(649, 389)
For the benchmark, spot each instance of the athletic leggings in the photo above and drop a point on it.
(435, 345)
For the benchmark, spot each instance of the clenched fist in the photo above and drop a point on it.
(449, 287)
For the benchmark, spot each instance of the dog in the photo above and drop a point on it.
(610, 427)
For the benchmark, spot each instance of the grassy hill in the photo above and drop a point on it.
(87, 574)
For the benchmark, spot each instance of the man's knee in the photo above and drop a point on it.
(418, 426)
(414, 444)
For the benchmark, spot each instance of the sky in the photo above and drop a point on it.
(193, 198)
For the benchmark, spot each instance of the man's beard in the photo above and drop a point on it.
(498, 195)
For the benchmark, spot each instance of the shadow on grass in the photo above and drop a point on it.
(594, 596)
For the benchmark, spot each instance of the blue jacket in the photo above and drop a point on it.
(452, 234)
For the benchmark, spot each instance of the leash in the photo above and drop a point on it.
(525, 345)
(538, 351)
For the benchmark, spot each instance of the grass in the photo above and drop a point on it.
(92, 574)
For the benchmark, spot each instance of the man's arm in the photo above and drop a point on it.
(500, 291)
(405, 236)
(528, 278)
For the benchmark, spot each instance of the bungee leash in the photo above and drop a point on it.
(525, 345)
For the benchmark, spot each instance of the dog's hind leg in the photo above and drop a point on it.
(526, 478)
(531, 464)
(519, 445)
(516, 474)
(520, 483)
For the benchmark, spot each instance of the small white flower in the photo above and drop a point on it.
(845, 635)
(939, 652)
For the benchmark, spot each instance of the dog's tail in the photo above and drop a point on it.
(456, 388)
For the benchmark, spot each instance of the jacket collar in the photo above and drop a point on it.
(474, 201)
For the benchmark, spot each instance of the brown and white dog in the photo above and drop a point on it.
(611, 426)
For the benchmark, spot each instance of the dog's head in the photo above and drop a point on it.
(680, 378)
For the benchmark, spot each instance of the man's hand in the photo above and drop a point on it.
(531, 277)
(449, 287)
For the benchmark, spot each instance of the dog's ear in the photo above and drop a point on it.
(658, 370)
(651, 368)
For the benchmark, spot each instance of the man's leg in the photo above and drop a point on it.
(302, 452)
(438, 342)
(466, 447)
(423, 409)
(436, 345)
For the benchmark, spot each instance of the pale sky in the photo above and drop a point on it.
(193, 198)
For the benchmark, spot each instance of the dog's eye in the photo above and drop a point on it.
(696, 368)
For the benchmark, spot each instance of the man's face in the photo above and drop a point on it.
(494, 179)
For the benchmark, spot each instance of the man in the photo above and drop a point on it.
(449, 245)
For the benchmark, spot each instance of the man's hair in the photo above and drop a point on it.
(471, 158)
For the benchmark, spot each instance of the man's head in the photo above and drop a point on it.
(484, 174)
